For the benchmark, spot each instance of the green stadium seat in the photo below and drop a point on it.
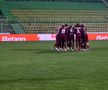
(48, 17)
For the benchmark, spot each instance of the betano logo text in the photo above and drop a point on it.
(6, 38)
(99, 37)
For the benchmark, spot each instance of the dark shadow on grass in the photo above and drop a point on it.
(36, 79)
(25, 49)
(40, 51)
(50, 51)
(99, 49)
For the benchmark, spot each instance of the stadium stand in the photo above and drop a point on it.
(59, 15)
(59, 0)
(45, 17)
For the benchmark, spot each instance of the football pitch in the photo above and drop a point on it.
(34, 66)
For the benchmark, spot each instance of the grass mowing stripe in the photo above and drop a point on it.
(34, 66)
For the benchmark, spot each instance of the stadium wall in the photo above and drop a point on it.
(46, 37)
(7, 6)
(54, 5)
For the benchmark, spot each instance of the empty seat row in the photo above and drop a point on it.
(52, 28)
(64, 16)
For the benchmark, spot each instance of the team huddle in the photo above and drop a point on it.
(74, 38)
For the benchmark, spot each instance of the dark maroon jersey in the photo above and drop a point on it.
(70, 33)
(59, 30)
(63, 35)
(64, 30)
(58, 33)
(78, 34)
(86, 37)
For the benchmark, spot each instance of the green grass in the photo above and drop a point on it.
(34, 66)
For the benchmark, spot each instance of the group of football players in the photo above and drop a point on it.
(71, 38)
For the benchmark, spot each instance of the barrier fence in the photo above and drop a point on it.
(10, 30)
(46, 37)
